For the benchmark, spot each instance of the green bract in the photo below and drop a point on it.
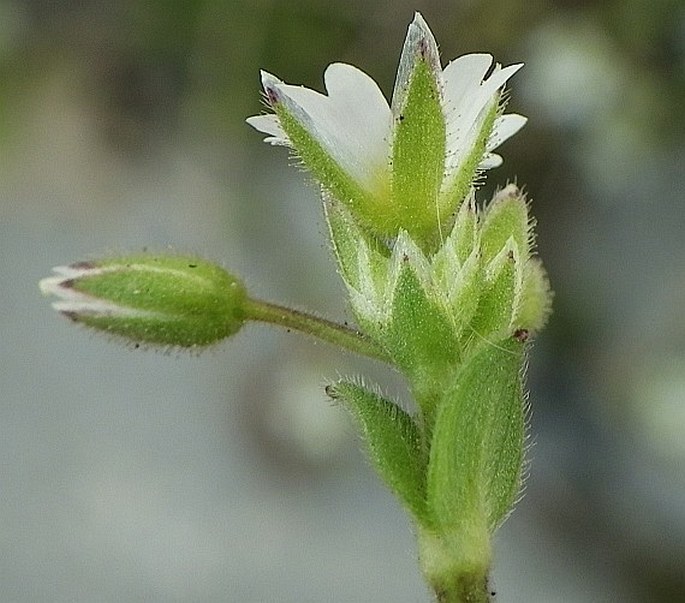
(428, 309)
(160, 300)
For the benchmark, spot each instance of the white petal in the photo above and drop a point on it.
(467, 101)
(72, 301)
(464, 75)
(462, 131)
(52, 285)
(462, 110)
(270, 125)
(99, 308)
(55, 285)
(490, 160)
(505, 127)
(352, 123)
(67, 272)
(499, 77)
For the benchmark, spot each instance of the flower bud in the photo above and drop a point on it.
(152, 299)
(507, 222)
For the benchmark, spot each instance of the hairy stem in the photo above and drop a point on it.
(326, 330)
(456, 570)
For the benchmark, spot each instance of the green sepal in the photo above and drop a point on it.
(464, 295)
(465, 233)
(500, 296)
(364, 265)
(418, 154)
(369, 208)
(477, 447)
(457, 268)
(359, 253)
(419, 335)
(536, 301)
(393, 440)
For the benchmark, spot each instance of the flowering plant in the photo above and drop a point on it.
(445, 290)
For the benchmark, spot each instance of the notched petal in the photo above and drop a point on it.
(490, 161)
(269, 124)
(464, 75)
(505, 127)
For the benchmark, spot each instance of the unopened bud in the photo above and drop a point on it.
(162, 300)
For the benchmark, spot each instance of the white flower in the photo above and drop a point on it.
(350, 138)
(353, 123)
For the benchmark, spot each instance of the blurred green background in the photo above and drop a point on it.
(130, 476)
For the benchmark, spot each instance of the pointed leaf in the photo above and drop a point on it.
(505, 446)
(394, 442)
(478, 439)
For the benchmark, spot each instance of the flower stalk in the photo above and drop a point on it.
(331, 332)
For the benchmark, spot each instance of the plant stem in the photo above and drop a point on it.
(468, 589)
(457, 572)
(326, 330)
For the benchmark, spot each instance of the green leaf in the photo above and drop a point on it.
(394, 442)
(506, 445)
(474, 470)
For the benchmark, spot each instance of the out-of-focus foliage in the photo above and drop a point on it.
(150, 63)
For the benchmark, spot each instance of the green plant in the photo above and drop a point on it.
(445, 290)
